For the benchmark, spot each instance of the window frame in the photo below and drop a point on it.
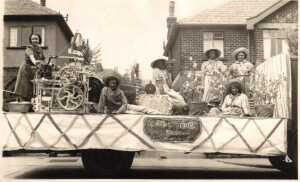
(213, 36)
(9, 36)
(270, 38)
(19, 38)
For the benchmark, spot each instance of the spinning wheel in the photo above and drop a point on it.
(70, 97)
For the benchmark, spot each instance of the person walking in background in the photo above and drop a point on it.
(34, 56)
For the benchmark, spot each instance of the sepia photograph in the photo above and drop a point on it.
(149, 89)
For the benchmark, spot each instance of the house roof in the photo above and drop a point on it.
(233, 12)
(26, 7)
(28, 10)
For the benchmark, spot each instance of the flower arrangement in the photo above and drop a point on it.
(192, 89)
(217, 86)
(265, 91)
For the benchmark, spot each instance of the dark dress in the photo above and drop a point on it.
(26, 73)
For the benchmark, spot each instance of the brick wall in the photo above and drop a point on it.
(190, 43)
(175, 57)
(287, 14)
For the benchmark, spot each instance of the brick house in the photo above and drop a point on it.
(254, 24)
(21, 18)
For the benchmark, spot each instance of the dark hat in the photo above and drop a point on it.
(153, 64)
(218, 52)
(236, 84)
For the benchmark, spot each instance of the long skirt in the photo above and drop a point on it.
(24, 85)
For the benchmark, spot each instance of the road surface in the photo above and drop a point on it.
(145, 166)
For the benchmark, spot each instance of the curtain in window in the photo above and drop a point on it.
(213, 40)
(13, 37)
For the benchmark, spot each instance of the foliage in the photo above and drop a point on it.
(265, 91)
(292, 37)
(193, 88)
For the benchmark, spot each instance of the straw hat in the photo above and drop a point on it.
(238, 50)
(109, 74)
(153, 64)
(218, 52)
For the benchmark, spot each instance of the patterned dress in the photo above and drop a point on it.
(26, 73)
(214, 75)
(240, 71)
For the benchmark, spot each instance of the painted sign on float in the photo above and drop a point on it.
(161, 129)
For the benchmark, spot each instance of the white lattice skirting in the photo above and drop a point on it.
(33, 131)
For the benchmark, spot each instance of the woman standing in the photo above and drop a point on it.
(240, 69)
(214, 74)
(33, 57)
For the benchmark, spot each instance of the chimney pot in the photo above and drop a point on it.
(43, 2)
(171, 8)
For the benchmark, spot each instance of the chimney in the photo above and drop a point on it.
(171, 19)
(171, 8)
(43, 2)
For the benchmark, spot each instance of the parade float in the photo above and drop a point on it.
(64, 120)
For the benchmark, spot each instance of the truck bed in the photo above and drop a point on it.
(129, 132)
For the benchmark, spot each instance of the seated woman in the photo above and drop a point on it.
(235, 103)
(162, 82)
(113, 100)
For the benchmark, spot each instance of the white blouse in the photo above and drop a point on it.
(240, 101)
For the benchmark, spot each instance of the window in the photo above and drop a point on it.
(213, 40)
(19, 36)
(275, 42)
(13, 37)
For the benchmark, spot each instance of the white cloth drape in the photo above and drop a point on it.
(273, 68)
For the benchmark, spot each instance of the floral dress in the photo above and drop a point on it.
(240, 71)
(214, 78)
(26, 73)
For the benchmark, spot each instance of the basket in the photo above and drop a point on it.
(19, 106)
(264, 110)
(198, 108)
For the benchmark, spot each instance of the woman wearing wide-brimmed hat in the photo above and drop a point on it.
(161, 78)
(241, 68)
(163, 82)
(213, 69)
(113, 100)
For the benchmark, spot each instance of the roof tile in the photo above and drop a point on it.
(26, 7)
(232, 12)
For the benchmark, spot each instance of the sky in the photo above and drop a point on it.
(128, 31)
